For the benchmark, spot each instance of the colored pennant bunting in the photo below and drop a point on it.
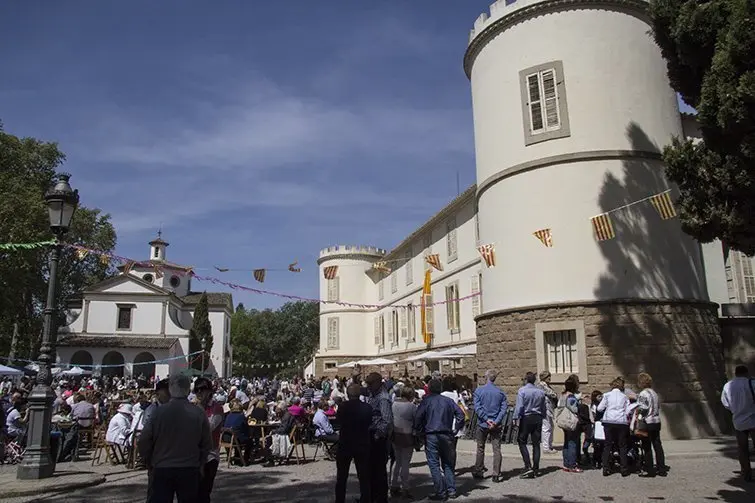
(105, 259)
(127, 268)
(293, 268)
(488, 254)
(330, 271)
(82, 254)
(603, 227)
(434, 260)
(259, 275)
(382, 267)
(545, 236)
(26, 246)
(663, 205)
(158, 272)
(221, 269)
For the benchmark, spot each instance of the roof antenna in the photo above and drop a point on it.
(458, 187)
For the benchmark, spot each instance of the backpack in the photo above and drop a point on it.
(565, 418)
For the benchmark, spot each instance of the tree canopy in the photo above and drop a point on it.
(200, 334)
(709, 49)
(268, 337)
(27, 169)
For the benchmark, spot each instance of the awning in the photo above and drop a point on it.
(460, 352)
(9, 371)
(427, 355)
(377, 361)
(347, 365)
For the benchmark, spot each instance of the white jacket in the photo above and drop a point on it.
(615, 407)
(650, 406)
(118, 429)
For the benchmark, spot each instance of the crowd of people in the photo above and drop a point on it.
(375, 421)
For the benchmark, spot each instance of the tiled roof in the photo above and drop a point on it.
(213, 299)
(118, 341)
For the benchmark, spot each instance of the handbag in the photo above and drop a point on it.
(640, 426)
(565, 418)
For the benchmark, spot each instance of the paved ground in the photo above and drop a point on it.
(702, 471)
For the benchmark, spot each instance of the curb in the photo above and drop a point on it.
(544, 457)
(95, 480)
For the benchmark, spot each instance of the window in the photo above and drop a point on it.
(477, 228)
(394, 282)
(380, 331)
(409, 267)
(476, 300)
(429, 327)
(227, 324)
(561, 350)
(748, 279)
(175, 281)
(411, 323)
(331, 366)
(157, 252)
(381, 288)
(544, 103)
(125, 312)
(451, 249)
(426, 249)
(333, 289)
(148, 278)
(394, 328)
(333, 338)
(452, 307)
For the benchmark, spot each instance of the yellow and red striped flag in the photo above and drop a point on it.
(330, 271)
(158, 272)
(293, 268)
(488, 254)
(545, 236)
(104, 259)
(663, 205)
(382, 267)
(81, 254)
(434, 260)
(127, 268)
(259, 275)
(603, 227)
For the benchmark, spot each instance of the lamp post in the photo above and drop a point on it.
(37, 463)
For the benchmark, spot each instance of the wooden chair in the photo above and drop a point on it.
(134, 457)
(86, 436)
(327, 447)
(113, 452)
(297, 446)
(233, 448)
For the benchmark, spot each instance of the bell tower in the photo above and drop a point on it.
(157, 248)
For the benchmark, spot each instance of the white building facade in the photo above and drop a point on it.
(572, 107)
(143, 315)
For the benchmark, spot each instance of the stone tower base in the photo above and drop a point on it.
(677, 342)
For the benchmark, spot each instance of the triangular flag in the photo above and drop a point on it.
(104, 259)
(663, 205)
(293, 268)
(603, 227)
(127, 268)
(545, 236)
(488, 254)
(382, 267)
(222, 269)
(434, 260)
(158, 272)
(330, 271)
(259, 275)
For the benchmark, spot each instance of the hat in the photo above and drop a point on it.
(126, 408)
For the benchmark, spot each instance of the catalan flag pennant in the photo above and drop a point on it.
(434, 260)
(603, 227)
(221, 269)
(488, 254)
(545, 236)
(293, 268)
(663, 205)
(259, 275)
(158, 272)
(104, 259)
(81, 254)
(330, 271)
(382, 267)
(127, 268)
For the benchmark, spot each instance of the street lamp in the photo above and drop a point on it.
(37, 463)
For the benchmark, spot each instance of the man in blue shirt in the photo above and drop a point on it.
(435, 417)
(490, 405)
(530, 411)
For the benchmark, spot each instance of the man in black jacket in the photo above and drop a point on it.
(355, 418)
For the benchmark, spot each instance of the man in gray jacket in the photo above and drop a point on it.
(174, 446)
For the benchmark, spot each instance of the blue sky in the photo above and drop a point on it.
(256, 133)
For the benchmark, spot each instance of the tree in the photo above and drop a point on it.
(290, 334)
(709, 49)
(27, 169)
(200, 334)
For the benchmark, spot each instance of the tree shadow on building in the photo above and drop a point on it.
(676, 341)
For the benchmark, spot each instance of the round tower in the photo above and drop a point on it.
(346, 277)
(572, 107)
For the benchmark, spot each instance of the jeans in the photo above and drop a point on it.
(547, 432)
(495, 440)
(654, 440)
(207, 481)
(571, 448)
(378, 474)
(403, 457)
(168, 482)
(743, 450)
(530, 427)
(343, 463)
(617, 437)
(440, 453)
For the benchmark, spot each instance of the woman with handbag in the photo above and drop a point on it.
(615, 409)
(649, 421)
(567, 419)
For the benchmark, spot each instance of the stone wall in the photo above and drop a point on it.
(676, 342)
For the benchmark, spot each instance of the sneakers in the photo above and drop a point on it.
(576, 469)
(528, 473)
(549, 451)
(437, 497)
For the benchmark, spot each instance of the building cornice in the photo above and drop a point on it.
(587, 155)
(636, 7)
(348, 256)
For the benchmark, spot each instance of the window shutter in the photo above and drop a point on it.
(394, 282)
(381, 288)
(409, 268)
(451, 239)
(333, 289)
(550, 97)
(449, 308)
(333, 333)
(476, 298)
(377, 330)
(382, 330)
(404, 323)
(391, 328)
(535, 104)
(429, 315)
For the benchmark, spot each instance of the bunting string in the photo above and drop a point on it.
(115, 365)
